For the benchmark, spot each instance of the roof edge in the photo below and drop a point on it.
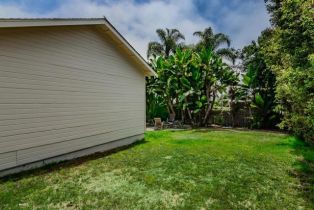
(131, 48)
(38, 22)
(33, 22)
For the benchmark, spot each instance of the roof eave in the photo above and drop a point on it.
(122, 40)
(13, 23)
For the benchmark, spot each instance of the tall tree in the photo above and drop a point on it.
(290, 54)
(190, 81)
(210, 40)
(261, 81)
(169, 41)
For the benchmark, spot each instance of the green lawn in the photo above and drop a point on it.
(196, 169)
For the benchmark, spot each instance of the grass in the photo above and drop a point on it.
(196, 169)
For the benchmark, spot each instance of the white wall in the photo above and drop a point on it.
(63, 89)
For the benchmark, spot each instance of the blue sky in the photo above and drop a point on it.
(137, 20)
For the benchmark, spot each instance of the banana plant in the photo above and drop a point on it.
(217, 76)
(190, 81)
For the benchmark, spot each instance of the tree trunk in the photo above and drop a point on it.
(209, 104)
(189, 112)
(182, 115)
(171, 109)
(199, 120)
(232, 105)
(213, 102)
(190, 116)
(168, 109)
(209, 108)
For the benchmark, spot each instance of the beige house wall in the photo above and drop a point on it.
(64, 89)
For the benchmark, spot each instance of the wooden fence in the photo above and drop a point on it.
(223, 118)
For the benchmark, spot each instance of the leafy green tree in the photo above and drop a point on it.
(160, 87)
(262, 83)
(217, 77)
(156, 106)
(189, 81)
(169, 41)
(210, 40)
(290, 54)
(238, 99)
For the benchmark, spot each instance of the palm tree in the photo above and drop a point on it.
(210, 40)
(169, 41)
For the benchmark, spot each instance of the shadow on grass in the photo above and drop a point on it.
(238, 129)
(304, 170)
(67, 163)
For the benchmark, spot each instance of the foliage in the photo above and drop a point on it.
(169, 41)
(238, 99)
(189, 78)
(212, 169)
(155, 106)
(210, 40)
(289, 53)
(277, 86)
(189, 82)
(261, 84)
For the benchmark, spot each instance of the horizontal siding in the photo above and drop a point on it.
(7, 160)
(38, 153)
(11, 64)
(64, 90)
(24, 114)
(19, 122)
(96, 78)
(70, 57)
(61, 122)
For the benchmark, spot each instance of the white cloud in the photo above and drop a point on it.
(246, 22)
(138, 22)
(13, 11)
